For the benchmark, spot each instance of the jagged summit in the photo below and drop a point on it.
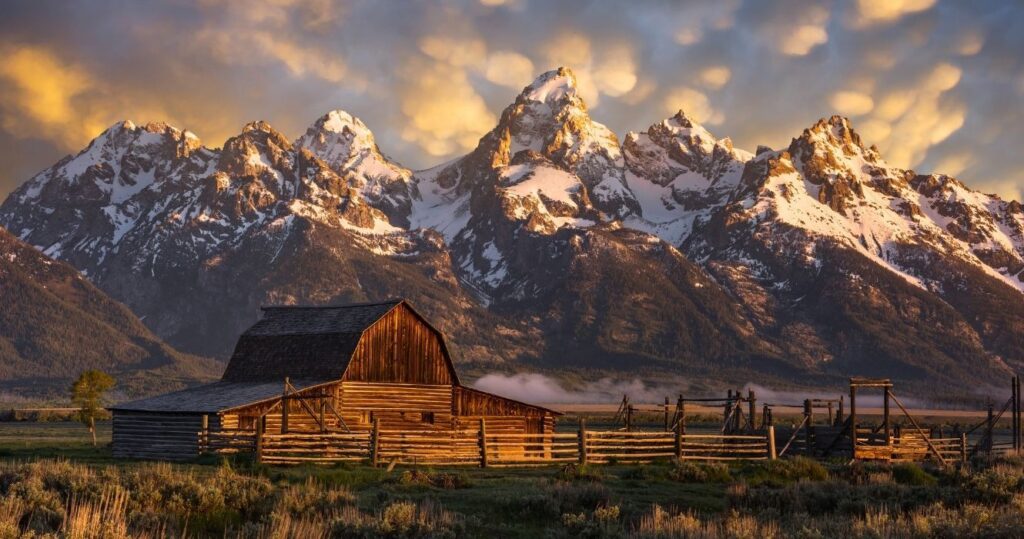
(552, 86)
(550, 218)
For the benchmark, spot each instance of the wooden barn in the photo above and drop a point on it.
(324, 369)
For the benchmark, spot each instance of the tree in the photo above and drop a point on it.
(87, 394)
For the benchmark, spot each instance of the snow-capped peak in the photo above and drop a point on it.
(552, 86)
(337, 138)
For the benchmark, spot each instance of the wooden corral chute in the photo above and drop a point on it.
(334, 371)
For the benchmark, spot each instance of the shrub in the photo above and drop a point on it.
(912, 474)
(690, 472)
(579, 472)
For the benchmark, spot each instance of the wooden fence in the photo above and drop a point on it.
(477, 447)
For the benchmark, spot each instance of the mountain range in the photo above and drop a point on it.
(556, 246)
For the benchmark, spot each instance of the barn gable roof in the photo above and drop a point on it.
(215, 397)
(308, 342)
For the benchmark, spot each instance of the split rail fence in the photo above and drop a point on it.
(477, 447)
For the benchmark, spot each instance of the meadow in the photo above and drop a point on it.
(53, 483)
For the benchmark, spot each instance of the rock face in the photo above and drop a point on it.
(55, 324)
(552, 245)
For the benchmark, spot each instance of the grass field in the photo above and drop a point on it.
(53, 483)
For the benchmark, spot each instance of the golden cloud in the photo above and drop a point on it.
(615, 74)
(871, 12)
(509, 68)
(801, 40)
(443, 112)
(43, 96)
(694, 103)
(715, 77)
(852, 103)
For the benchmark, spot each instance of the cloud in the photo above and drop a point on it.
(509, 69)
(851, 103)
(442, 111)
(802, 39)
(969, 43)
(918, 117)
(871, 12)
(715, 77)
(694, 103)
(44, 96)
(615, 74)
(455, 51)
(534, 387)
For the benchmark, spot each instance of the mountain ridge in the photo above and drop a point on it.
(558, 241)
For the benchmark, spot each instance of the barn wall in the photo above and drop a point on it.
(163, 436)
(399, 348)
(470, 402)
(299, 418)
(399, 406)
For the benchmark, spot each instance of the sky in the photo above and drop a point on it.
(937, 85)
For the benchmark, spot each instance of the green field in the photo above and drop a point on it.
(55, 484)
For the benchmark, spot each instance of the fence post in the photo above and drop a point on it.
(809, 437)
(679, 444)
(375, 442)
(853, 420)
(583, 441)
(963, 447)
(771, 443)
(989, 426)
(260, 426)
(483, 443)
(682, 415)
(204, 441)
(629, 418)
(666, 415)
(751, 408)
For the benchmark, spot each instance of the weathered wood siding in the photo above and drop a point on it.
(163, 436)
(398, 406)
(400, 348)
(299, 418)
(470, 402)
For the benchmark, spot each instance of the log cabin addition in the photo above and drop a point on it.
(324, 369)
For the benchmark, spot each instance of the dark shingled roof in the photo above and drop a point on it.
(312, 343)
(215, 397)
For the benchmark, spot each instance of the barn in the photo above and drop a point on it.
(323, 369)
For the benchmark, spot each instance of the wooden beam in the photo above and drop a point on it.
(916, 426)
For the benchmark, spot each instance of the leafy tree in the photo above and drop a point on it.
(87, 394)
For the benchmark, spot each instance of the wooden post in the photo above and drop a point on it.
(771, 443)
(736, 418)
(323, 409)
(989, 426)
(1015, 402)
(726, 414)
(831, 418)
(583, 441)
(667, 426)
(885, 417)
(629, 418)
(963, 447)
(261, 426)
(853, 420)
(682, 416)
(839, 416)
(284, 407)
(809, 418)
(751, 409)
(483, 443)
(205, 434)
(679, 444)
(375, 442)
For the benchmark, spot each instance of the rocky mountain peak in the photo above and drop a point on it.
(553, 86)
(339, 138)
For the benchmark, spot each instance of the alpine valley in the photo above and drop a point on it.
(555, 246)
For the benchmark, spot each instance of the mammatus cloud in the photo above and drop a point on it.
(443, 111)
(852, 103)
(935, 83)
(870, 12)
(694, 103)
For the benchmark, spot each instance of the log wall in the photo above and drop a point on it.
(398, 406)
(162, 436)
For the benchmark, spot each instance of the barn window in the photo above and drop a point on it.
(247, 422)
(428, 417)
